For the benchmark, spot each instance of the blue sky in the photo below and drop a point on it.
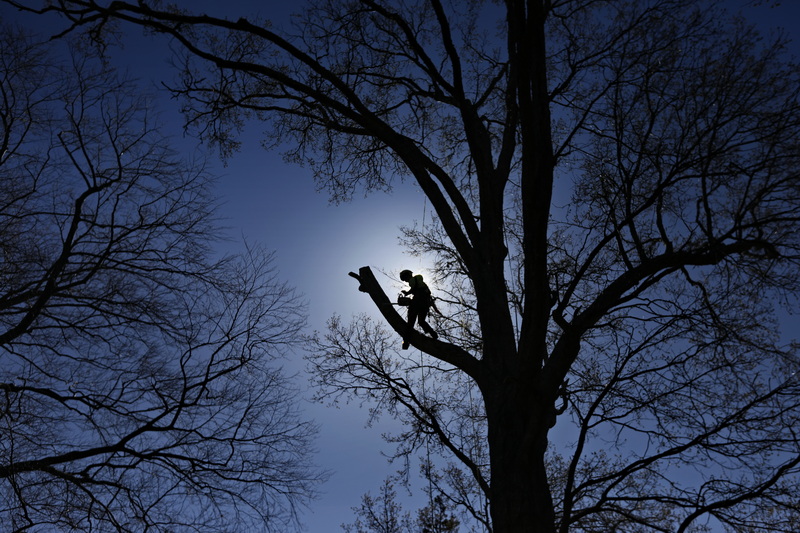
(317, 244)
(269, 202)
(276, 204)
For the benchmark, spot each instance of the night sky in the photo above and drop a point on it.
(270, 202)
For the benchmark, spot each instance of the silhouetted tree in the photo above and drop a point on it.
(437, 518)
(381, 513)
(384, 514)
(617, 199)
(138, 386)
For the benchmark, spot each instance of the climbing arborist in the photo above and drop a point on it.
(420, 303)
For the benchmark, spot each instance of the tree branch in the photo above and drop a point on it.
(444, 351)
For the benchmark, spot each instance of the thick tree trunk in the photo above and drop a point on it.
(520, 492)
(519, 414)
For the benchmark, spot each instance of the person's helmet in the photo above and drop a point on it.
(406, 275)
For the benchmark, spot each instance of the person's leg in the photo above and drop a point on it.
(413, 315)
(412, 318)
(423, 314)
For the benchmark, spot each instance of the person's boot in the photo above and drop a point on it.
(405, 345)
(430, 331)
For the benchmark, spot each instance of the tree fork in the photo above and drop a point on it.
(449, 353)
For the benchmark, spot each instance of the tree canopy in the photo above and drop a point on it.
(139, 371)
(616, 195)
